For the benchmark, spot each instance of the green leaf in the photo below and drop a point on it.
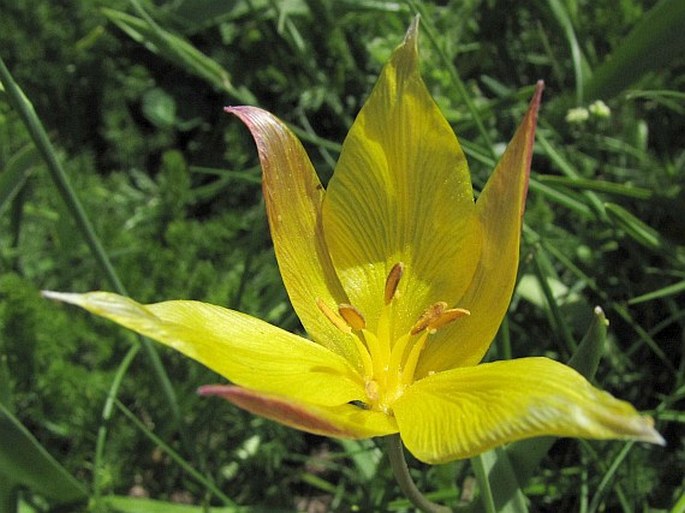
(24, 459)
(634, 227)
(670, 290)
(629, 191)
(590, 350)
(121, 504)
(506, 493)
(5, 385)
(654, 42)
(580, 66)
(159, 108)
(16, 172)
(177, 51)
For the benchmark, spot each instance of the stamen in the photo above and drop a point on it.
(337, 321)
(436, 316)
(392, 281)
(352, 316)
(447, 317)
(431, 313)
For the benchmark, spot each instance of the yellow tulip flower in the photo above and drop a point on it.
(400, 279)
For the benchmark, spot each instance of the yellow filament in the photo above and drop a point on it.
(407, 372)
(344, 326)
(337, 321)
(378, 363)
(367, 362)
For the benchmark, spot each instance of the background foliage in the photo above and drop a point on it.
(131, 93)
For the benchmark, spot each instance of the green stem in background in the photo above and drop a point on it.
(484, 484)
(106, 415)
(28, 115)
(407, 485)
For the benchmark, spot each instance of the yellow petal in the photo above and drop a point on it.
(500, 210)
(401, 192)
(344, 421)
(462, 412)
(247, 351)
(293, 195)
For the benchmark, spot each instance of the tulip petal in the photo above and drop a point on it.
(462, 412)
(344, 421)
(246, 350)
(500, 209)
(293, 195)
(401, 192)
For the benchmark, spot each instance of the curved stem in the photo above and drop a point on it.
(478, 466)
(407, 485)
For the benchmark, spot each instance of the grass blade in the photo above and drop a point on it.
(579, 62)
(176, 50)
(636, 229)
(653, 43)
(28, 115)
(28, 463)
(17, 170)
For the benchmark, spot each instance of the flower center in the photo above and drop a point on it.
(389, 363)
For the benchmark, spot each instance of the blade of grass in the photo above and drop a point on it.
(28, 115)
(98, 460)
(671, 290)
(638, 230)
(431, 34)
(505, 496)
(478, 464)
(122, 504)
(567, 169)
(617, 189)
(655, 41)
(643, 335)
(604, 485)
(561, 198)
(28, 463)
(579, 62)
(16, 172)
(21, 104)
(187, 467)
(540, 263)
(176, 50)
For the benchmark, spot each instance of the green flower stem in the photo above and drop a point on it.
(407, 485)
(478, 467)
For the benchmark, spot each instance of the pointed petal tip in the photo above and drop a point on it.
(406, 54)
(241, 110)
(539, 87)
(64, 297)
(654, 437)
(206, 390)
(412, 35)
(645, 432)
(535, 101)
